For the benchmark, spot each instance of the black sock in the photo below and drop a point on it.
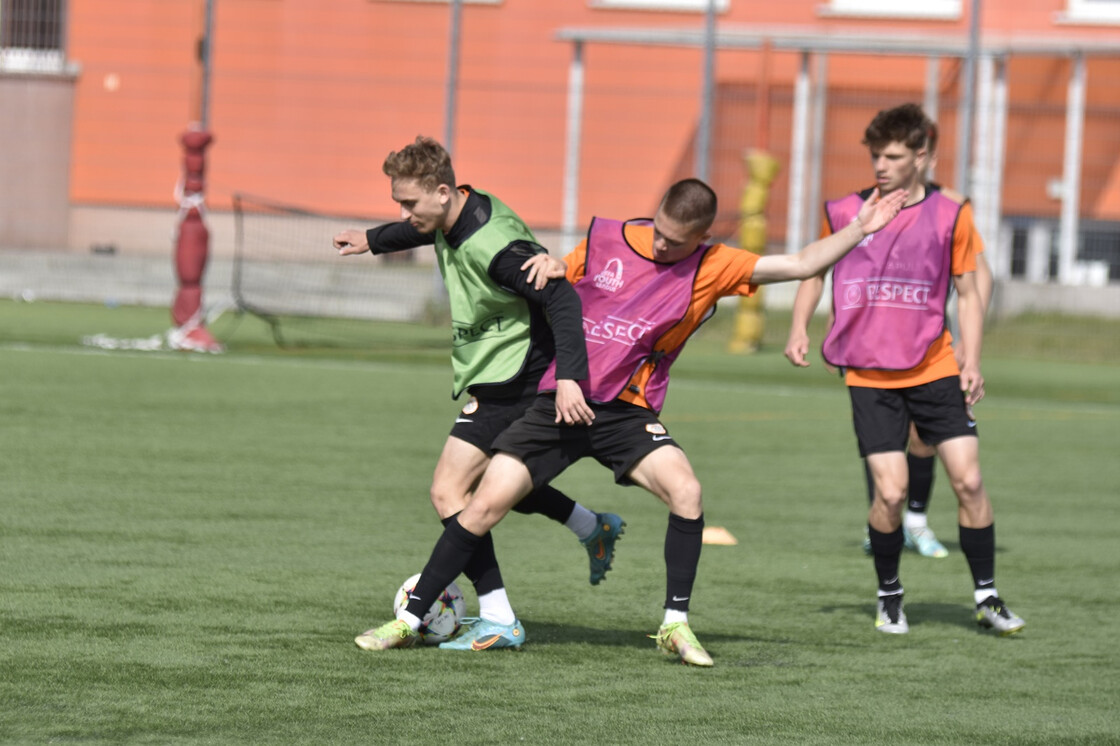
(979, 548)
(683, 541)
(870, 482)
(482, 568)
(449, 557)
(548, 501)
(921, 482)
(885, 550)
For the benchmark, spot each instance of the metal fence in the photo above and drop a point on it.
(824, 122)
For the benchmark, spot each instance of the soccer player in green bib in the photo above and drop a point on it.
(507, 326)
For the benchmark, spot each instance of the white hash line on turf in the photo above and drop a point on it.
(201, 358)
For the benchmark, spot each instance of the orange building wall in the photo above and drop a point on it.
(308, 96)
(132, 98)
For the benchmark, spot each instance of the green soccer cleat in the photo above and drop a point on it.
(890, 617)
(866, 541)
(600, 545)
(394, 634)
(678, 639)
(992, 613)
(923, 540)
(480, 634)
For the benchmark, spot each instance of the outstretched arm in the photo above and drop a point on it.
(383, 239)
(818, 256)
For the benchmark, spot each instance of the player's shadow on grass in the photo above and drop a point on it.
(918, 614)
(556, 633)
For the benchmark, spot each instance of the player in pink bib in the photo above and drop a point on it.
(891, 338)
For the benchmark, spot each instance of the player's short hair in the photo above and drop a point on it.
(906, 124)
(690, 202)
(424, 160)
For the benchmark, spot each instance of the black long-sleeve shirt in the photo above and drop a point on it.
(556, 316)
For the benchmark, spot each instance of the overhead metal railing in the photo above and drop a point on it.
(985, 169)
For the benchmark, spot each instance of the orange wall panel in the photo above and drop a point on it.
(308, 96)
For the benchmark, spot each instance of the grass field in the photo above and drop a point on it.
(188, 545)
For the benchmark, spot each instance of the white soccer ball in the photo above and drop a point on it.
(443, 618)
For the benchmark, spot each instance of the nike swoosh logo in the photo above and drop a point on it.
(601, 552)
(412, 596)
(679, 598)
(485, 642)
(972, 423)
(462, 419)
(662, 437)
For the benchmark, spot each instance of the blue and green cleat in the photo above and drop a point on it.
(481, 634)
(922, 540)
(600, 545)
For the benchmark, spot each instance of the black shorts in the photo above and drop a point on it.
(882, 417)
(481, 421)
(621, 436)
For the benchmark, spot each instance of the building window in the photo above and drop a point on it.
(937, 10)
(671, 5)
(32, 35)
(1091, 11)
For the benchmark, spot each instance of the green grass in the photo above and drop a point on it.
(189, 543)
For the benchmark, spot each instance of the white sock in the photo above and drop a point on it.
(674, 615)
(412, 619)
(983, 594)
(494, 607)
(915, 520)
(582, 522)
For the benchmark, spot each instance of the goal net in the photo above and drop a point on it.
(286, 272)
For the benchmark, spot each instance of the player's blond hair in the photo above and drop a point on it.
(424, 160)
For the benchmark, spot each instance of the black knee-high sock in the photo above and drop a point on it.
(683, 541)
(482, 568)
(870, 482)
(979, 548)
(549, 502)
(886, 550)
(449, 557)
(921, 482)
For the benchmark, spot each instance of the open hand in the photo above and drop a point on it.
(877, 211)
(543, 268)
(571, 407)
(972, 383)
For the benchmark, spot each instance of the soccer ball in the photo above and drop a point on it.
(442, 620)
